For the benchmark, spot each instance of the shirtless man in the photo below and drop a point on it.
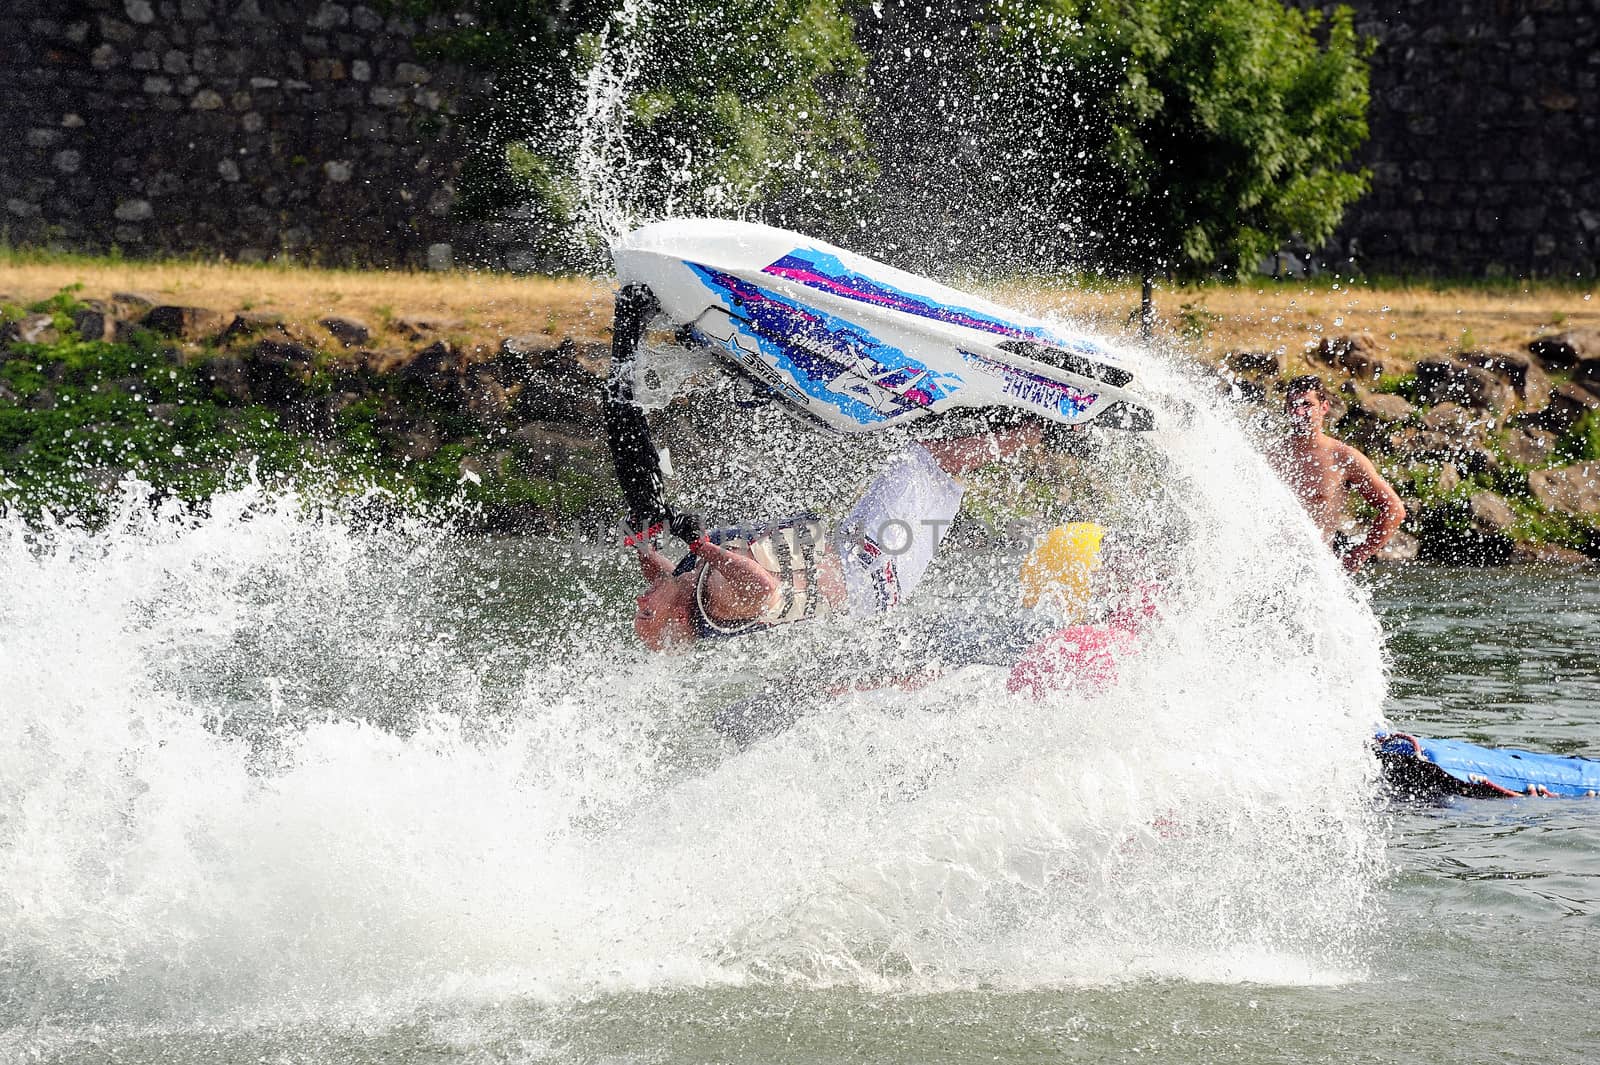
(792, 570)
(1323, 471)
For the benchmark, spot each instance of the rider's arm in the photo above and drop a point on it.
(737, 588)
(1364, 477)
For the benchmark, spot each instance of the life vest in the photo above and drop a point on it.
(789, 550)
(1084, 656)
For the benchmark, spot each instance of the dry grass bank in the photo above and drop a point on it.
(1406, 320)
(480, 308)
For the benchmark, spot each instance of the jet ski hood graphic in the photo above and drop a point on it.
(859, 345)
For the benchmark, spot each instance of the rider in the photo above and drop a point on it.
(743, 579)
(1072, 577)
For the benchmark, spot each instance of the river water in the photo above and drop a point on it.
(295, 781)
(277, 787)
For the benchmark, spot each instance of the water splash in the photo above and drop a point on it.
(276, 762)
(617, 188)
(608, 176)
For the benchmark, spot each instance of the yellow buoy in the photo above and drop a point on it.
(1059, 571)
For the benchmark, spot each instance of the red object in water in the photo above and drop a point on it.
(1084, 656)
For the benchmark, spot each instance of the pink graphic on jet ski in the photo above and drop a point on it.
(819, 270)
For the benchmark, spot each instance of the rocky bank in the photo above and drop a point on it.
(1496, 453)
(187, 396)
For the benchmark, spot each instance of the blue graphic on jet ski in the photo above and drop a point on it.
(820, 270)
(790, 346)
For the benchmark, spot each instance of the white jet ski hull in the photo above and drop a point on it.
(859, 345)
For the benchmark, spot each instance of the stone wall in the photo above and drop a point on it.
(253, 127)
(1485, 148)
(246, 128)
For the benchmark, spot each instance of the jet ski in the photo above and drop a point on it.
(849, 343)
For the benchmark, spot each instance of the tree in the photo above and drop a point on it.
(709, 105)
(1184, 136)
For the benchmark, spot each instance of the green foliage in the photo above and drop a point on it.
(1581, 443)
(733, 101)
(76, 416)
(1191, 135)
(741, 81)
(1403, 385)
(82, 413)
(1536, 525)
(1195, 321)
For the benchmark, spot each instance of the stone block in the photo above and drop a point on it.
(187, 323)
(416, 328)
(1571, 489)
(1529, 447)
(1401, 548)
(1568, 403)
(253, 323)
(1356, 355)
(1433, 446)
(1587, 373)
(1547, 555)
(1379, 406)
(1492, 512)
(32, 329)
(329, 16)
(133, 303)
(1526, 378)
(116, 31)
(1370, 418)
(1455, 420)
(94, 323)
(134, 211)
(348, 331)
(1447, 380)
(275, 369)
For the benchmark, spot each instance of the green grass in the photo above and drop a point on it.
(1581, 443)
(1403, 385)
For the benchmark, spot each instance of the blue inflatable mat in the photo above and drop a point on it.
(1459, 768)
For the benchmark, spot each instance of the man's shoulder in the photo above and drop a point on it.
(1343, 453)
